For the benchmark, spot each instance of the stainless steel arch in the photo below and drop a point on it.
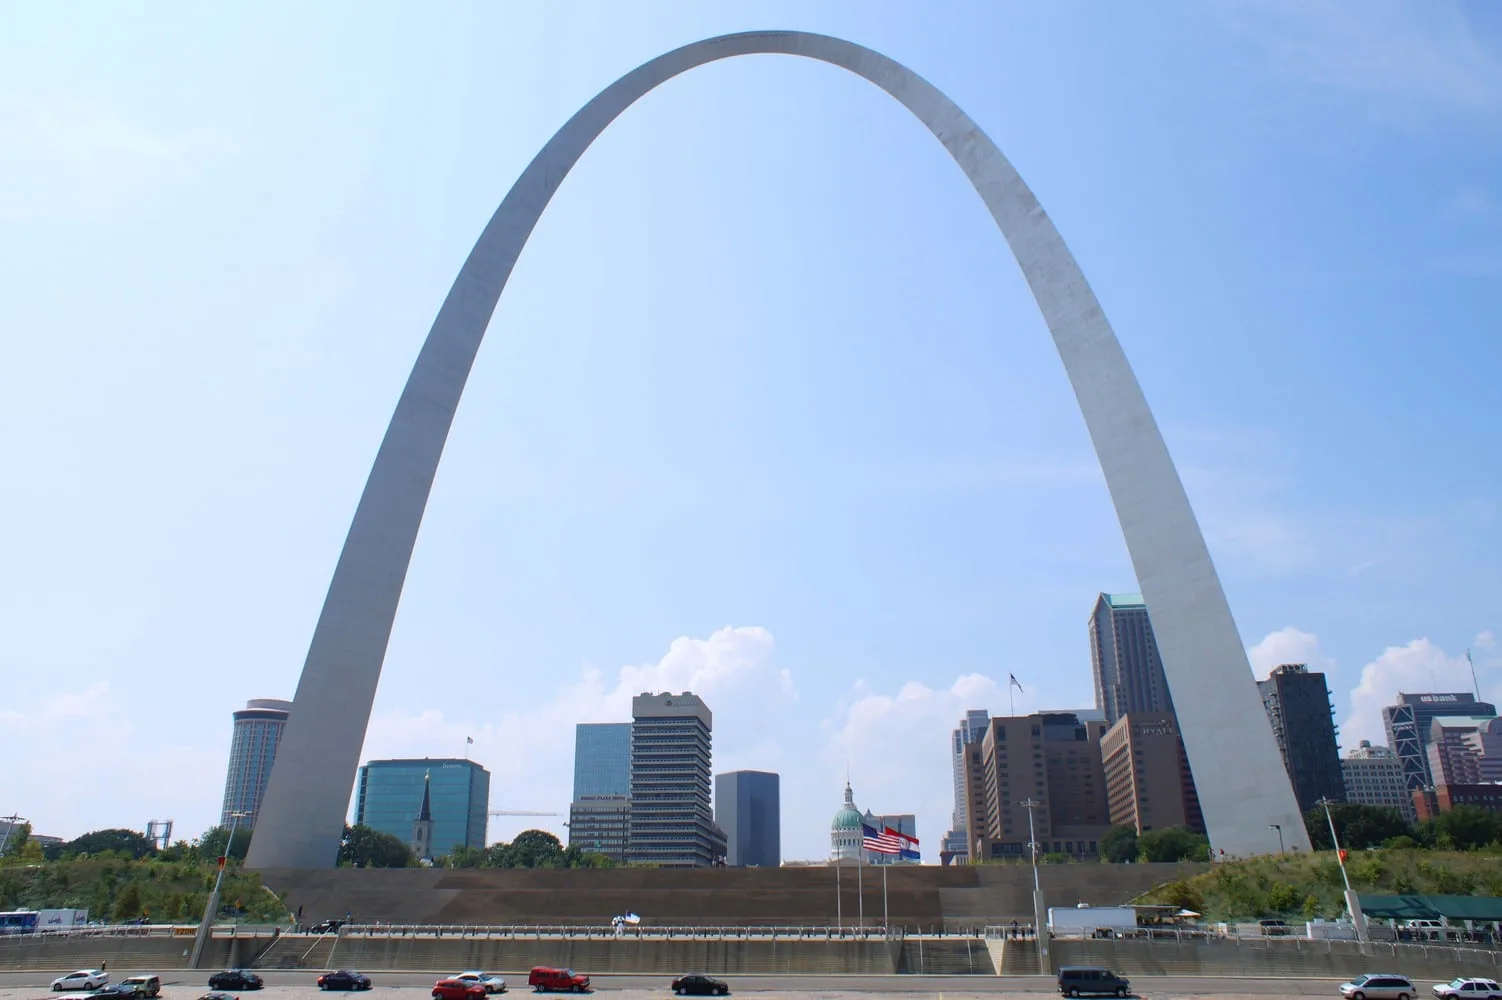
(1242, 784)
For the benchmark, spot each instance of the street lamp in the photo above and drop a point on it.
(1279, 828)
(1353, 903)
(11, 822)
(210, 911)
(1039, 913)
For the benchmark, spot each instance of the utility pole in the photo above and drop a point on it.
(212, 910)
(1353, 902)
(1040, 913)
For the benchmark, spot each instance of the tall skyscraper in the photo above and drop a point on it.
(672, 824)
(1051, 758)
(1128, 670)
(748, 807)
(1465, 751)
(391, 796)
(1146, 773)
(602, 760)
(1303, 720)
(1374, 777)
(258, 731)
(972, 729)
(1408, 727)
(600, 814)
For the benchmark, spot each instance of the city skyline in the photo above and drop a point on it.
(904, 560)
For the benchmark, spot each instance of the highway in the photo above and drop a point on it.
(298, 985)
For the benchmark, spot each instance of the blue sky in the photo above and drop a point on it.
(765, 411)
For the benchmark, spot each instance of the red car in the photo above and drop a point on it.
(547, 978)
(457, 989)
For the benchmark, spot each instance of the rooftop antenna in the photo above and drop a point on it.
(1474, 683)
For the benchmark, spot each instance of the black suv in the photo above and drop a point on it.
(703, 985)
(235, 979)
(1084, 980)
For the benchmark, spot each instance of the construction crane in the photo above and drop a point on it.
(520, 812)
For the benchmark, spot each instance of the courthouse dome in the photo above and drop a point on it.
(849, 817)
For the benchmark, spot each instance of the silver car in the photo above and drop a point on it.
(1378, 986)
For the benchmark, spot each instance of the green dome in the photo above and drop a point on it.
(849, 817)
(846, 819)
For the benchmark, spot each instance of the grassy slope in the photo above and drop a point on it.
(1301, 885)
(166, 891)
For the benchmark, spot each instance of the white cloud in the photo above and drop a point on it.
(1424, 54)
(896, 746)
(1418, 666)
(1289, 645)
(80, 161)
(529, 750)
(72, 782)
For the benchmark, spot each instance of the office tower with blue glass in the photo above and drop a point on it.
(391, 795)
(258, 732)
(599, 818)
(748, 807)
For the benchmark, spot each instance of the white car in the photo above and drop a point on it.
(492, 982)
(1469, 989)
(83, 979)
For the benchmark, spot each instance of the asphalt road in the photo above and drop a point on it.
(292, 985)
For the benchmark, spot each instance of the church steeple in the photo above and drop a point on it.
(422, 829)
(425, 814)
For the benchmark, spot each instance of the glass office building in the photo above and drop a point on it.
(602, 760)
(389, 798)
(258, 732)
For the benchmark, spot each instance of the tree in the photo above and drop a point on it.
(127, 842)
(1359, 826)
(1282, 897)
(211, 844)
(1465, 827)
(128, 906)
(1119, 844)
(535, 849)
(19, 837)
(1174, 843)
(363, 847)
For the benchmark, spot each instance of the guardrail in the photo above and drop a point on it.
(606, 933)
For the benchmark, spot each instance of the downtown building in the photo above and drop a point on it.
(258, 732)
(1147, 774)
(1373, 777)
(1408, 725)
(747, 806)
(394, 796)
(1051, 759)
(1129, 680)
(955, 848)
(1303, 720)
(672, 825)
(599, 817)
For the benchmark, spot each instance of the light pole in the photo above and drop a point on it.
(1040, 929)
(1353, 902)
(212, 910)
(11, 822)
(1279, 828)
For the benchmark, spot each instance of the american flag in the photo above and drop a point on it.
(887, 841)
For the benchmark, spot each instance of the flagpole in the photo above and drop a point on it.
(839, 918)
(860, 884)
(885, 926)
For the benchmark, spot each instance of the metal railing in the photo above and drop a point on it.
(606, 933)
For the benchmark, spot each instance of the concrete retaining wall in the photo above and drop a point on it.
(1277, 959)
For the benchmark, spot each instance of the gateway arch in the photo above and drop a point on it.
(1243, 787)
